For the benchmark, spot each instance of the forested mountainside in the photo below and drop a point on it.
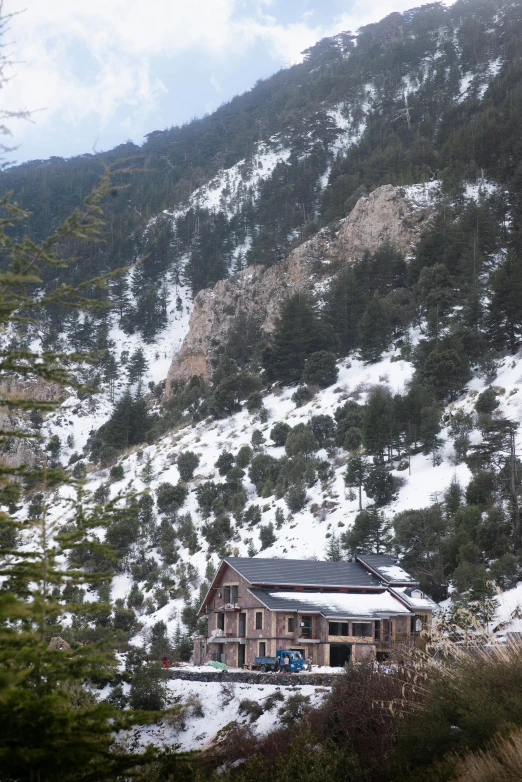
(427, 274)
(432, 93)
(331, 266)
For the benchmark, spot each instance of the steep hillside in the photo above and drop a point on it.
(406, 100)
(319, 350)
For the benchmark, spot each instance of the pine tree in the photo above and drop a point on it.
(299, 334)
(110, 374)
(51, 727)
(378, 421)
(344, 307)
(374, 329)
(333, 551)
(370, 534)
(137, 366)
(356, 472)
(505, 312)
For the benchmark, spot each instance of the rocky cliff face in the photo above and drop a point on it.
(24, 451)
(386, 215)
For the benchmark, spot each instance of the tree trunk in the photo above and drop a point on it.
(513, 491)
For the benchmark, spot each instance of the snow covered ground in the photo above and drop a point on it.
(219, 704)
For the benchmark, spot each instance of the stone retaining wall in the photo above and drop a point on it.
(251, 677)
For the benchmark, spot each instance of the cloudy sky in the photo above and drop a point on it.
(98, 72)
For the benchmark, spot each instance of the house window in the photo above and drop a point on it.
(262, 649)
(291, 624)
(259, 620)
(231, 594)
(362, 629)
(220, 621)
(377, 634)
(338, 628)
(306, 627)
(418, 623)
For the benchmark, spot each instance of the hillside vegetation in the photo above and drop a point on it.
(381, 415)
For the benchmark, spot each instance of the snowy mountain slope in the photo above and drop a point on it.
(77, 418)
(329, 508)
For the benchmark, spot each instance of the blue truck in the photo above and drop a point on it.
(295, 662)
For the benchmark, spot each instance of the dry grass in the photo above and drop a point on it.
(501, 763)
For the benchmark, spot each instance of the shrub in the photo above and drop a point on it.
(244, 456)
(117, 473)
(294, 709)
(102, 494)
(262, 469)
(301, 396)
(254, 402)
(123, 532)
(301, 442)
(224, 463)
(217, 533)
(257, 440)
(117, 698)
(381, 486)
(187, 463)
(79, 471)
(170, 498)
(272, 699)
(321, 369)
(352, 439)
(465, 708)
(296, 497)
(251, 709)
(279, 433)
(135, 598)
(486, 402)
(148, 690)
(266, 535)
(124, 619)
(252, 515)
(323, 429)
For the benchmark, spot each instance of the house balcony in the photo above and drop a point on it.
(218, 637)
(309, 638)
(231, 607)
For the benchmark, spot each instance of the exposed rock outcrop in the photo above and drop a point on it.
(386, 215)
(24, 451)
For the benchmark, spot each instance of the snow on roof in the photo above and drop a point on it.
(415, 602)
(338, 604)
(395, 573)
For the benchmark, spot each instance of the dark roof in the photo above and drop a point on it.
(303, 572)
(388, 568)
(340, 605)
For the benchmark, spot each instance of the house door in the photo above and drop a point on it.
(340, 654)
(240, 655)
(242, 625)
